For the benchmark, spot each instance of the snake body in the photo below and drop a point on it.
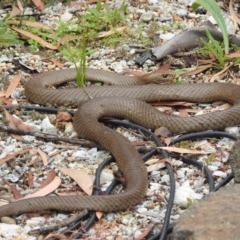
(125, 102)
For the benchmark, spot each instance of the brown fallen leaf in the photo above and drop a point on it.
(20, 6)
(15, 122)
(158, 165)
(11, 156)
(58, 64)
(16, 193)
(197, 69)
(43, 156)
(36, 38)
(139, 143)
(46, 190)
(183, 112)
(56, 236)
(118, 238)
(12, 86)
(232, 13)
(15, 12)
(50, 177)
(183, 150)
(37, 25)
(99, 215)
(30, 179)
(39, 4)
(218, 74)
(145, 233)
(224, 106)
(82, 179)
(162, 132)
(173, 103)
(111, 32)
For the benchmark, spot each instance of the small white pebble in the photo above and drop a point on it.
(220, 174)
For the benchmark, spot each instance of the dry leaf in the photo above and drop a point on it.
(11, 124)
(58, 64)
(50, 177)
(232, 13)
(56, 236)
(216, 76)
(145, 233)
(82, 179)
(15, 12)
(10, 156)
(111, 32)
(46, 190)
(30, 179)
(14, 83)
(173, 103)
(39, 4)
(99, 215)
(20, 6)
(163, 132)
(156, 167)
(43, 156)
(15, 122)
(183, 150)
(16, 193)
(36, 38)
(37, 25)
(118, 238)
(139, 143)
(182, 112)
(224, 106)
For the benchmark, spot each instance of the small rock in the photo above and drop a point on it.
(8, 220)
(66, 17)
(167, 36)
(147, 16)
(232, 130)
(181, 12)
(220, 174)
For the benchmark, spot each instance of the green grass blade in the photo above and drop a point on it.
(213, 8)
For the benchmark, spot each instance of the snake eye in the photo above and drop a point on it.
(165, 75)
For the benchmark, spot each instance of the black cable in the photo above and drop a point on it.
(166, 228)
(169, 169)
(225, 181)
(206, 134)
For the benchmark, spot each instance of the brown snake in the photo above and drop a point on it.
(121, 101)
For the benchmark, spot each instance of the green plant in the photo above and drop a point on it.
(6, 39)
(78, 57)
(89, 27)
(215, 48)
(208, 160)
(189, 202)
(213, 8)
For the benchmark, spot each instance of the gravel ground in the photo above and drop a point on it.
(26, 171)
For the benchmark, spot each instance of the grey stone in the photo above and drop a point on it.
(215, 217)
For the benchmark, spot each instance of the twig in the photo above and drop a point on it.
(50, 137)
(64, 223)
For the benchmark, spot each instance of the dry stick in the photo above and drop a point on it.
(49, 137)
(52, 137)
(64, 223)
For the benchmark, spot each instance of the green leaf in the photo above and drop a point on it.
(213, 8)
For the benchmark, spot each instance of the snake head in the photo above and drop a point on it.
(159, 77)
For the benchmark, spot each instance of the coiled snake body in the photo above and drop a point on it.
(124, 102)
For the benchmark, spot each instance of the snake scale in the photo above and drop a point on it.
(124, 102)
